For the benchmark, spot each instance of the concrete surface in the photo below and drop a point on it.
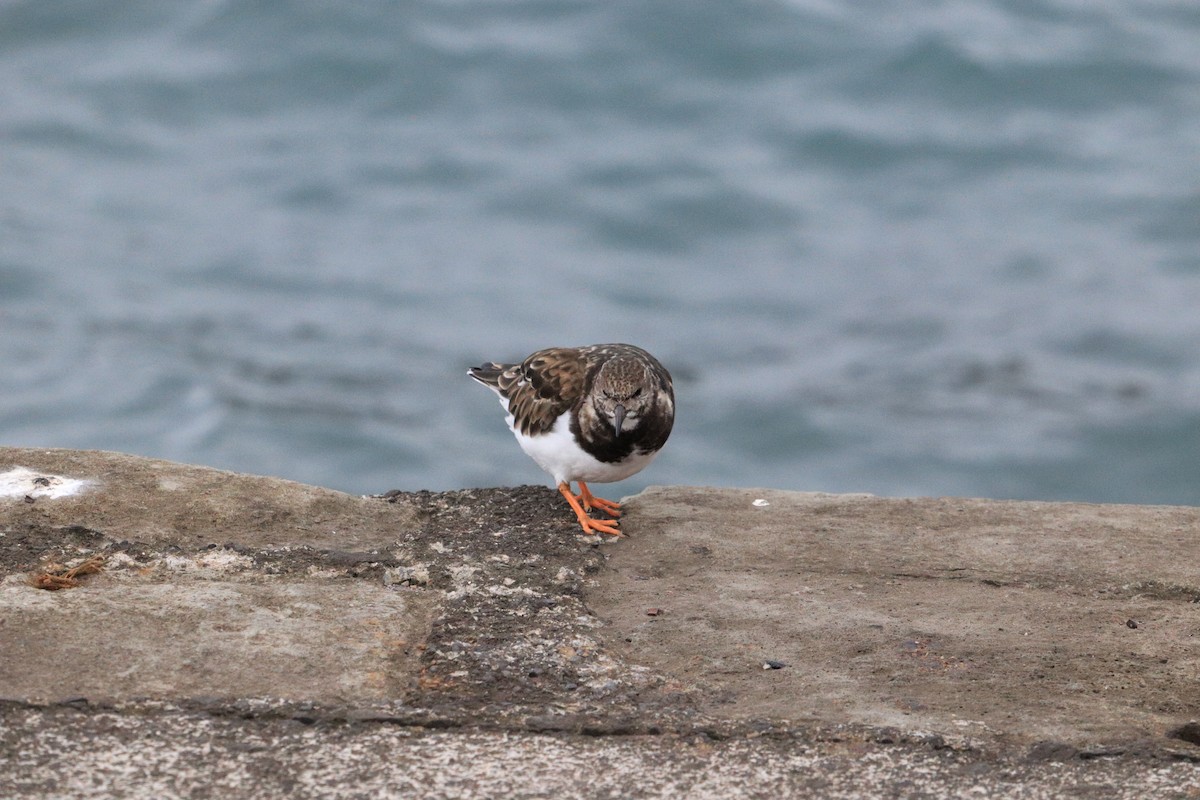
(253, 637)
(1018, 621)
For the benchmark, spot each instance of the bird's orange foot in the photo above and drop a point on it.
(590, 526)
(589, 500)
(593, 526)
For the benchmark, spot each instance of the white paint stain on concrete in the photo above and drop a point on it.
(21, 482)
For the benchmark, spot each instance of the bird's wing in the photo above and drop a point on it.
(540, 389)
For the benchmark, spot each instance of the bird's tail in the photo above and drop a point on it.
(488, 374)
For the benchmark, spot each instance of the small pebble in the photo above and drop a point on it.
(653, 612)
(1130, 623)
(773, 665)
(760, 503)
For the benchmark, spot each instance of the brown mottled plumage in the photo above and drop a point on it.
(597, 413)
(540, 388)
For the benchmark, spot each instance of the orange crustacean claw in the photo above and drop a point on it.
(589, 525)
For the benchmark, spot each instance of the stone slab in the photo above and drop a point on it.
(65, 753)
(1023, 621)
(155, 501)
(141, 637)
(260, 637)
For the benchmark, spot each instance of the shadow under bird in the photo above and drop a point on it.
(586, 414)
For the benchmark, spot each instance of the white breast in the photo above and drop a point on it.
(557, 453)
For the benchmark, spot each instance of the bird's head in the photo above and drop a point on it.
(623, 392)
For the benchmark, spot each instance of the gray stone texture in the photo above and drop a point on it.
(254, 637)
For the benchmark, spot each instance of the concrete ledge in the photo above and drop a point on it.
(973, 643)
(145, 637)
(997, 621)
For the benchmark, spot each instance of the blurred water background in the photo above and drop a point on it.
(924, 248)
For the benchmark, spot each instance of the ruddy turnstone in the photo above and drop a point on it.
(599, 413)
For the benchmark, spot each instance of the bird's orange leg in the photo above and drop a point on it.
(588, 499)
(588, 524)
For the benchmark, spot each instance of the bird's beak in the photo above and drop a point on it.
(618, 418)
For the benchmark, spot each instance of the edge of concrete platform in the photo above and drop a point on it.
(230, 596)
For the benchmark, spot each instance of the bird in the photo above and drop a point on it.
(596, 414)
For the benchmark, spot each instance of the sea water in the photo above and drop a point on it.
(929, 248)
